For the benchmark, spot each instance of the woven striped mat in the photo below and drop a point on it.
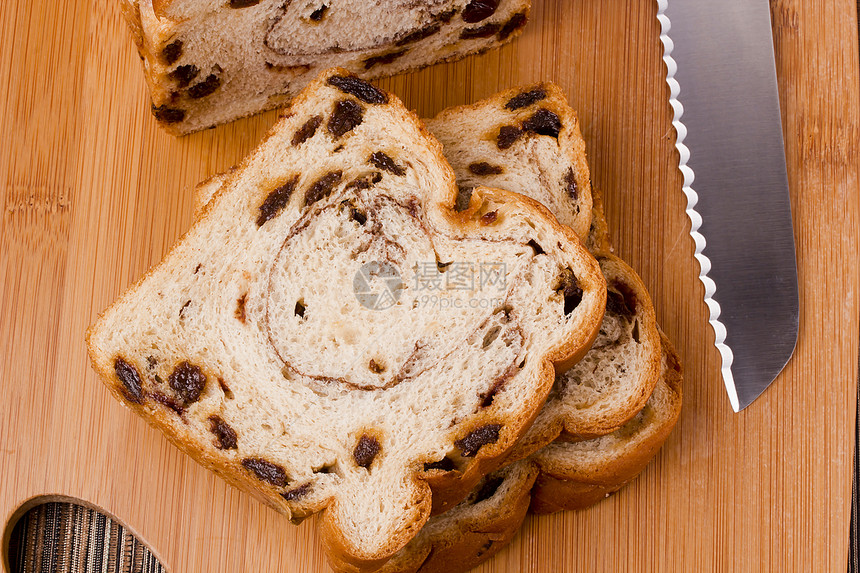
(69, 538)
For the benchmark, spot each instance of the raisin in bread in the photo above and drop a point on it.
(526, 140)
(562, 475)
(208, 62)
(315, 338)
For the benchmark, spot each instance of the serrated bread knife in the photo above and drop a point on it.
(722, 78)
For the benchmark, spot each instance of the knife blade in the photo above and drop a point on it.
(722, 77)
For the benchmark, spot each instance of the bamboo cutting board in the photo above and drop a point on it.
(93, 193)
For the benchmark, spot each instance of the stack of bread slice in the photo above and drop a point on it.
(380, 324)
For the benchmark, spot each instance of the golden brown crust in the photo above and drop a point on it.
(599, 240)
(562, 485)
(552, 495)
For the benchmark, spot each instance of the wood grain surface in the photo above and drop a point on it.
(93, 193)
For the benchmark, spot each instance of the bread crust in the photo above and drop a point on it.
(344, 556)
(473, 531)
(563, 485)
(345, 553)
(478, 542)
(599, 239)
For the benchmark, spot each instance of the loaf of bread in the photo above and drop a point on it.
(344, 329)
(208, 62)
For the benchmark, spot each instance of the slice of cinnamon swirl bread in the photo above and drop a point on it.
(475, 529)
(343, 326)
(208, 62)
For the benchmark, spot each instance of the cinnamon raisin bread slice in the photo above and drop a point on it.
(562, 475)
(528, 140)
(343, 325)
(208, 62)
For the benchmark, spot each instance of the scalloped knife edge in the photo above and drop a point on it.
(720, 330)
(692, 199)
